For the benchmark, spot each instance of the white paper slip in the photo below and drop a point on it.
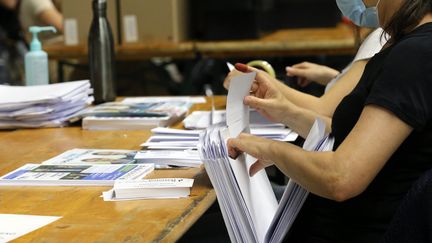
(13, 226)
(230, 66)
(149, 189)
(238, 113)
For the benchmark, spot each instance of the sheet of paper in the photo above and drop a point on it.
(230, 66)
(13, 226)
(237, 113)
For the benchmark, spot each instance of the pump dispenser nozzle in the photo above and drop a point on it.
(35, 44)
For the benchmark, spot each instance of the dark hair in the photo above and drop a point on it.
(10, 24)
(407, 18)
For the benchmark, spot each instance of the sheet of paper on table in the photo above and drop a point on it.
(13, 226)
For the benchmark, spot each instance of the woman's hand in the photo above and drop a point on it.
(307, 72)
(255, 146)
(266, 96)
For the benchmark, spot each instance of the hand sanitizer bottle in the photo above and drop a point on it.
(36, 60)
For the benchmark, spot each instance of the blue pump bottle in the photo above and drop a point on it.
(36, 60)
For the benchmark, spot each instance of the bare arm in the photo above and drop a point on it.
(52, 17)
(326, 104)
(338, 175)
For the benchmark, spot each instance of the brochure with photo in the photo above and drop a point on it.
(74, 175)
(93, 157)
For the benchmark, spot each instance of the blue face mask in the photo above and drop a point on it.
(358, 13)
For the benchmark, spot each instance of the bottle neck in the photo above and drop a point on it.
(99, 8)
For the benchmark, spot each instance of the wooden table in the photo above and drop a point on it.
(85, 216)
(337, 40)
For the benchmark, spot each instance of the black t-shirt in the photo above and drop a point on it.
(399, 79)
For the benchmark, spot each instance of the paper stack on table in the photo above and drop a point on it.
(149, 189)
(42, 105)
(259, 125)
(181, 158)
(137, 113)
(248, 204)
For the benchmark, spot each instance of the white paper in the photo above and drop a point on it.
(13, 226)
(230, 66)
(149, 189)
(130, 28)
(71, 32)
(237, 113)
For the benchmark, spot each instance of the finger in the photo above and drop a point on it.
(291, 71)
(233, 151)
(255, 168)
(254, 87)
(257, 103)
(260, 74)
(302, 65)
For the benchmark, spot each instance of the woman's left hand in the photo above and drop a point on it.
(255, 146)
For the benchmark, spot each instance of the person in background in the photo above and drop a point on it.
(12, 44)
(382, 131)
(40, 13)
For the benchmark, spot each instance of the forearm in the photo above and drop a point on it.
(300, 99)
(317, 172)
(301, 120)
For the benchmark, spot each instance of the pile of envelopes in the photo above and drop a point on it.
(248, 204)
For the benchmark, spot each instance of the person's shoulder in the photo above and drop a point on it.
(417, 43)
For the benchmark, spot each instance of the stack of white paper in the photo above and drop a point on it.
(259, 125)
(182, 158)
(149, 189)
(170, 138)
(248, 204)
(43, 105)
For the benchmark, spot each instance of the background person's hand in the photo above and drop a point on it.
(307, 72)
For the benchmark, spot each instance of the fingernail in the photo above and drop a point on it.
(288, 68)
(241, 67)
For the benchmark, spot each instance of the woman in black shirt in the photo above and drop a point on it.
(382, 130)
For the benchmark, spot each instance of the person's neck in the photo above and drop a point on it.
(426, 19)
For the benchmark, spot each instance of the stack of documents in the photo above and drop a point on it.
(43, 105)
(137, 113)
(201, 119)
(149, 189)
(170, 138)
(248, 204)
(180, 158)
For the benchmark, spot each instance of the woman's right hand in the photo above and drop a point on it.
(266, 96)
(307, 72)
